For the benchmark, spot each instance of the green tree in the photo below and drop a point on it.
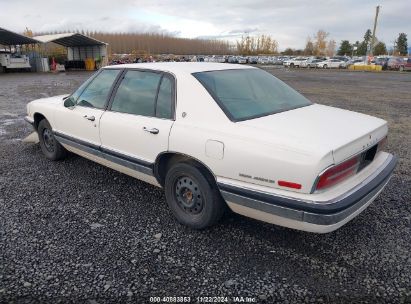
(363, 46)
(380, 49)
(288, 51)
(367, 36)
(402, 44)
(355, 47)
(362, 49)
(345, 48)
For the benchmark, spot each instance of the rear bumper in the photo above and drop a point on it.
(320, 217)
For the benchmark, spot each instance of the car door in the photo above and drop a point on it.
(81, 121)
(137, 125)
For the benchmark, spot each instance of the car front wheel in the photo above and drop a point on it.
(50, 147)
(193, 196)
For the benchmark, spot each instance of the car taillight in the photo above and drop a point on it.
(338, 173)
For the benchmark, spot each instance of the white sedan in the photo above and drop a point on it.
(331, 63)
(296, 62)
(216, 136)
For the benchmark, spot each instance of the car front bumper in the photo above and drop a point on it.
(29, 120)
(312, 216)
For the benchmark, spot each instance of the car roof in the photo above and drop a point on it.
(181, 67)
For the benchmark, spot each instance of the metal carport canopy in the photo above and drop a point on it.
(69, 40)
(11, 38)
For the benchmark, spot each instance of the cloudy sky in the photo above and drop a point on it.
(288, 21)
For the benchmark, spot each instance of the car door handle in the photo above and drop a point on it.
(92, 118)
(152, 130)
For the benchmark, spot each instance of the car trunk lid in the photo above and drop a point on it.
(320, 129)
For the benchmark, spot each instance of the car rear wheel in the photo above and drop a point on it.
(193, 196)
(325, 66)
(50, 147)
(291, 65)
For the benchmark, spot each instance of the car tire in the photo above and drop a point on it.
(50, 147)
(325, 66)
(193, 196)
(308, 66)
(401, 68)
(292, 65)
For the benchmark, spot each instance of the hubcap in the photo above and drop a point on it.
(188, 195)
(48, 139)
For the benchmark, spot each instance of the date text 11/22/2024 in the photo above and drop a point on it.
(204, 299)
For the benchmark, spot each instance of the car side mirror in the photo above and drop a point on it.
(69, 103)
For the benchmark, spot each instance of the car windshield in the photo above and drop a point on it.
(250, 93)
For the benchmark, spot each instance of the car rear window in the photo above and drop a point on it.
(250, 93)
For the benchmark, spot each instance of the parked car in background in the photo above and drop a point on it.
(280, 60)
(262, 60)
(407, 64)
(295, 62)
(354, 62)
(342, 58)
(241, 60)
(252, 60)
(311, 63)
(395, 63)
(232, 59)
(331, 63)
(219, 59)
(382, 61)
(249, 142)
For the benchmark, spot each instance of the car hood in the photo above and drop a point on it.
(54, 99)
(318, 130)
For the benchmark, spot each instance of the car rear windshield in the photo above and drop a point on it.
(250, 93)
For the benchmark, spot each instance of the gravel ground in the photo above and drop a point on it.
(74, 231)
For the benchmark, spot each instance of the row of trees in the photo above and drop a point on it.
(379, 48)
(160, 43)
(320, 45)
(154, 43)
(317, 45)
(262, 44)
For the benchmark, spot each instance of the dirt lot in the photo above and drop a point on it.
(74, 231)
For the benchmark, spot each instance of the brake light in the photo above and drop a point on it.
(289, 184)
(338, 173)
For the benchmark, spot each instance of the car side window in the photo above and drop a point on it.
(96, 93)
(137, 93)
(74, 96)
(165, 99)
